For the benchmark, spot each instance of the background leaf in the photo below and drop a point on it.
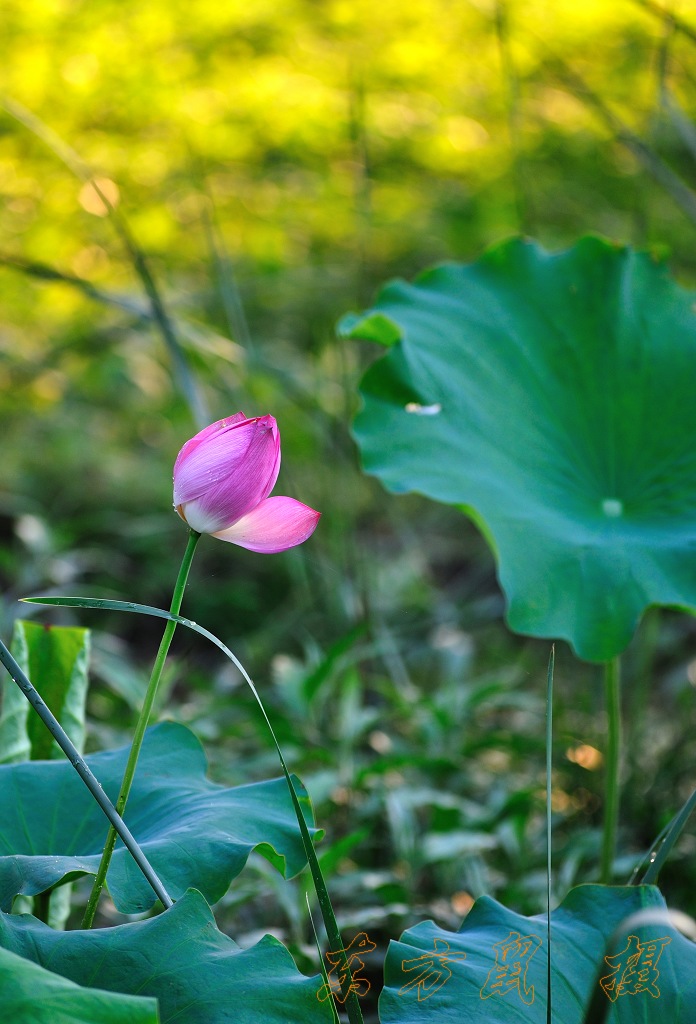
(196, 973)
(552, 397)
(194, 832)
(56, 659)
(581, 928)
(31, 995)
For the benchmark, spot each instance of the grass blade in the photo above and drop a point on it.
(612, 782)
(230, 297)
(677, 23)
(682, 195)
(684, 126)
(662, 848)
(182, 372)
(200, 335)
(511, 88)
(322, 966)
(44, 272)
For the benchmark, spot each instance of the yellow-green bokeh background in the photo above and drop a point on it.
(321, 131)
(284, 158)
(275, 162)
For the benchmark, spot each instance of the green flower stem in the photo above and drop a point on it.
(83, 770)
(141, 726)
(612, 690)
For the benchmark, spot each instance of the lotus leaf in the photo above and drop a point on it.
(194, 832)
(195, 972)
(551, 398)
(495, 967)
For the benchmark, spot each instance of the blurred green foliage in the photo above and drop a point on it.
(275, 163)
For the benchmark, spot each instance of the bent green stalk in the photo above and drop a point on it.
(83, 770)
(141, 726)
(349, 991)
(612, 690)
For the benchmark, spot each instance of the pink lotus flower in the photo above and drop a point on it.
(222, 479)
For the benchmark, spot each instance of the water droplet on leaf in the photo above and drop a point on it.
(612, 508)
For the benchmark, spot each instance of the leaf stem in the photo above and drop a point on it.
(612, 689)
(140, 727)
(83, 770)
(41, 906)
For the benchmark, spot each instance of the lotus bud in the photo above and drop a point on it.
(222, 479)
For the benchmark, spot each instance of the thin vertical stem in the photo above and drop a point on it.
(42, 904)
(141, 726)
(512, 98)
(612, 689)
(182, 372)
(549, 794)
(362, 185)
(636, 715)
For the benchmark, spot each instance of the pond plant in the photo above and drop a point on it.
(549, 397)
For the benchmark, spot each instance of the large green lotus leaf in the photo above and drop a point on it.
(31, 995)
(495, 968)
(198, 974)
(552, 397)
(194, 832)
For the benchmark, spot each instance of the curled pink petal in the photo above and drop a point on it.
(180, 476)
(214, 428)
(276, 524)
(225, 471)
